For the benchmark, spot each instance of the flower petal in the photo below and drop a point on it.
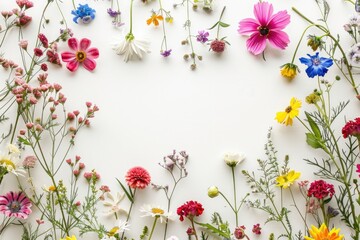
(248, 26)
(67, 56)
(256, 43)
(84, 44)
(72, 65)
(278, 39)
(279, 20)
(92, 53)
(263, 12)
(89, 64)
(73, 43)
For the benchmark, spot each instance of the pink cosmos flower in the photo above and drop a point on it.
(265, 26)
(81, 54)
(14, 204)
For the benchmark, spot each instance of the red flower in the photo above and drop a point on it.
(44, 41)
(256, 229)
(38, 52)
(321, 189)
(352, 128)
(239, 232)
(81, 54)
(358, 168)
(138, 177)
(217, 46)
(190, 209)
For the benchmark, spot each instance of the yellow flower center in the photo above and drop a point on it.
(113, 231)
(52, 188)
(288, 109)
(157, 211)
(8, 163)
(80, 56)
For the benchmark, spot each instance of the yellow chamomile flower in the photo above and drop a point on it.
(69, 238)
(324, 233)
(284, 181)
(289, 71)
(286, 117)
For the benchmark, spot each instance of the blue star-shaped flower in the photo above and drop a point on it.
(317, 66)
(84, 12)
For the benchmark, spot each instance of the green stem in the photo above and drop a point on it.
(128, 216)
(153, 227)
(193, 227)
(16, 123)
(131, 15)
(298, 45)
(298, 210)
(234, 192)
(218, 28)
(232, 208)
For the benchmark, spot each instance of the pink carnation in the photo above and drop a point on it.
(138, 177)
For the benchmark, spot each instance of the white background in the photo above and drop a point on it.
(152, 106)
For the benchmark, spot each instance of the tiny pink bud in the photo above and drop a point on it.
(76, 172)
(70, 116)
(53, 116)
(77, 158)
(38, 127)
(22, 131)
(32, 100)
(39, 221)
(57, 87)
(29, 125)
(78, 203)
(52, 109)
(87, 122)
(23, 44)
(88, 104)
(81, 165)
(76, 112)
(68, 161)
(80, 120)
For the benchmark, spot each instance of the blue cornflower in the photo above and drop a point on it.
(317, 66)
(84, 12)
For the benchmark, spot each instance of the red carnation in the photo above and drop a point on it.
(321, 189)
(138, 177)
(190, 209)
(44, 41)
(352, 128)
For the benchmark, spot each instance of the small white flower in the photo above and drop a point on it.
(113, 203)
(13, 149)
(108, 238)
(354, 54)
(354, 20)
(233, 159)
(11, 162)
(151, 211)
(173, 238)
(130, 47)
(123, 226)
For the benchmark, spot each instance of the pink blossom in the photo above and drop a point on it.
(266, 26)
(81, 54)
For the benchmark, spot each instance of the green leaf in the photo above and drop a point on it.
(214, 230)
(313, 141)
(224, 25)
(214, 25)
(313, 125)
(127, 192)
(24, 141)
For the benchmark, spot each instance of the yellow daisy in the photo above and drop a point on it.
(286, 180)
(286, 117)
(289, 71)
(323, 233)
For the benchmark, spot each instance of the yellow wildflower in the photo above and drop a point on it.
(323, 233)
(69, 238)
(154, 19)
(286, 117)
(286, 180)
(52, 188)
(289, 71)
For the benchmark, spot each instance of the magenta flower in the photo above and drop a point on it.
(265, 26)
(81, 54)
(15, 205)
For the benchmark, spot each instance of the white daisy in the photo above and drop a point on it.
(130, 47)
(113, 203)
(11, 162)
(151, 211)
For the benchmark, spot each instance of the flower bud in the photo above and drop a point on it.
(213, 191)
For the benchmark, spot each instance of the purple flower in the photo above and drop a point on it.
(113, 13)
(202, 37)
(166, 53)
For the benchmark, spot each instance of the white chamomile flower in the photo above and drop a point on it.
(130, 47)
(159, 212)
(11, 161)
(233, 159)
(113, 203)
